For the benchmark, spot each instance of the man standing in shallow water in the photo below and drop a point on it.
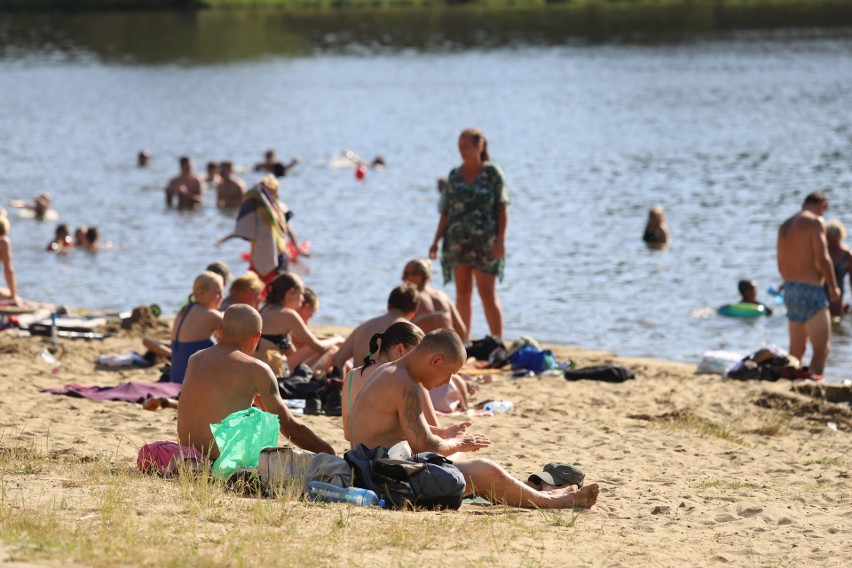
(187, 188)
(805, 265)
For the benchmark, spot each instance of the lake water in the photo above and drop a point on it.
(728, 130)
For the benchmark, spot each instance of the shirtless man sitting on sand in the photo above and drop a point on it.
(402, 305)
(225, 378)
(389, 410)
(806, 267)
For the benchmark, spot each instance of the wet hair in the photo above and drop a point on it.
(63, 229)
(311, 298)
(476, 136)
(423, 266)
(241, 321)
(746, 286)
(184, 160)
(404, 298)
(402, 332)
(4, 226)
(92, 235)
(248, 281)
(444, 342)
(835, 230)
(816, 198)
(277, 290)
(268, 154)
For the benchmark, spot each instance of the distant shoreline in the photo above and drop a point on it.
(309, 5)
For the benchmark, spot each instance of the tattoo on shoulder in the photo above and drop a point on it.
(413, 411)
(273, 388)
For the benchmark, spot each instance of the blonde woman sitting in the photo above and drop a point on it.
(196, 322)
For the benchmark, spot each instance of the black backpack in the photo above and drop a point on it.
(428, 480)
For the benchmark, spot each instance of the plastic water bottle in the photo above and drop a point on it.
(319, 491)
(496, 406)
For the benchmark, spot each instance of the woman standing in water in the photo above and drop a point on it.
(474, 215)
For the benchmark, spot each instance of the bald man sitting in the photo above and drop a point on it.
(225, 378)
(389, 410)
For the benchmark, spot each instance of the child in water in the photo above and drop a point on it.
(748, 291)
(656, 233)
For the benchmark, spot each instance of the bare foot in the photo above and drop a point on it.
(563, 498)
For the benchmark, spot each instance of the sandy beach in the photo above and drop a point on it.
(694, 470)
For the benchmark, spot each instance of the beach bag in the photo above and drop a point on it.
(766, 364)
(534, 359)
(489, 349)
(165, 458)
(287, 466)
(428, 480)
(606, 373)
(241, 436)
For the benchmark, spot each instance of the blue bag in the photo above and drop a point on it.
(534, 359)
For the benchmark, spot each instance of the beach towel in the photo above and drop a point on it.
(262, 220)
(606, 373)
(131, 391)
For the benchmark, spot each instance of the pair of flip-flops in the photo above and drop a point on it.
(558, 474)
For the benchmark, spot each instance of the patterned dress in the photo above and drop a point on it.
(471, 229)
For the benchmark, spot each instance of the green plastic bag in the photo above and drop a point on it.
(241, 436)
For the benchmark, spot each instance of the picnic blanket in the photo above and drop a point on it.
(132, 391)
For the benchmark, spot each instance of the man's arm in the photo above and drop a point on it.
(418, 433)
(297, 432)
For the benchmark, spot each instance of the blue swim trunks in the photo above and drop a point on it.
(804, 301)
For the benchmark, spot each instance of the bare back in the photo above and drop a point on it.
(357, 345)
(436, 311)
(352, 386)
(219, 381)
(196, 323)
(375, 419)
(802, 249)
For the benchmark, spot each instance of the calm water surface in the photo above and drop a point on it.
(727, 131)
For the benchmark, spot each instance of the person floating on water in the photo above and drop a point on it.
(748, 293)
(40, 205)
(656, 233)
(272, 165)
(143, 158)
(806, 267)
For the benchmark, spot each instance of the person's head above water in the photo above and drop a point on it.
(748, 290)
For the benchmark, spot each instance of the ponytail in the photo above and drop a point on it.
(375, 349)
